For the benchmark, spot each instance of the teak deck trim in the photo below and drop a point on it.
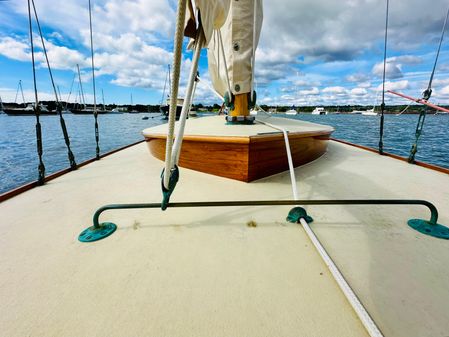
(240, 158)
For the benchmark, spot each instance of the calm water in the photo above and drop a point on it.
(18, 157)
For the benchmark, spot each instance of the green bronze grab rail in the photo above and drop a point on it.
(99, 231)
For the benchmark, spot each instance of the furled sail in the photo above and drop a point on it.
(239, 23)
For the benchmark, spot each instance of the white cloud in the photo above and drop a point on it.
(392, 70)
(359, 92)
(398, 85)
(313, 91)
(337, 90)
(443, 91)
(14, 49)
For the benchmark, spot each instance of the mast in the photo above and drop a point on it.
(70, 92)
(167, 77)
(1, 104)
(102, 96)
(59, 93)
(19, 87)
(82, 100)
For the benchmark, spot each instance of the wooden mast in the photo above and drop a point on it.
(240, 106)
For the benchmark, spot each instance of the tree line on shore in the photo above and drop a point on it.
(389, 109)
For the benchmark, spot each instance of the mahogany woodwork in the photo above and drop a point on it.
(243, 158)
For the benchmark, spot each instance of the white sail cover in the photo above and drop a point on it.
(237, 21)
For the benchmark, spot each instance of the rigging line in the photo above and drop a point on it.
(426, 96)
(59, 93)
(406, 108)
(58, 103)
(165, 85)
(438, 54)
(102, 97)
(97, 135)
(41, 166)
(70, 92)
(382, 106)
(21, 90)
(82, 100)
(17, 92)
(169, 78)
(177, 58)
(176, 151)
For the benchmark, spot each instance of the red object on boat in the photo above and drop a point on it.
(419, 100)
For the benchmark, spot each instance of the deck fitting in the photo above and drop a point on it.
(298, 213)
(94, 233)
(429, 228)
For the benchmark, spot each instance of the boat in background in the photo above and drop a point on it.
(88, 111)
(118, 110)
(291, 112)
(319, 111)
(166, 107)
(29, 111)
(227, 257)
(370, 112)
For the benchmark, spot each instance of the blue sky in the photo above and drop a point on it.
(310, 53)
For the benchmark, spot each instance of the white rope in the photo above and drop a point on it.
(224, 62)
(289, 156)
(187, 100)
(406, 108)
(253, 60)
(177, 57)
(358, 307)
(193, 94)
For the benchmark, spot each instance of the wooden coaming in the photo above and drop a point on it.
(243, 158)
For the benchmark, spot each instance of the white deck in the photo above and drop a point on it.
(204, 272)
(216, 126)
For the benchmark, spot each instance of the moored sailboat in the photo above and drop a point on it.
(222, 259)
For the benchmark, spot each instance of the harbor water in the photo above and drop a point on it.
(18, 154)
